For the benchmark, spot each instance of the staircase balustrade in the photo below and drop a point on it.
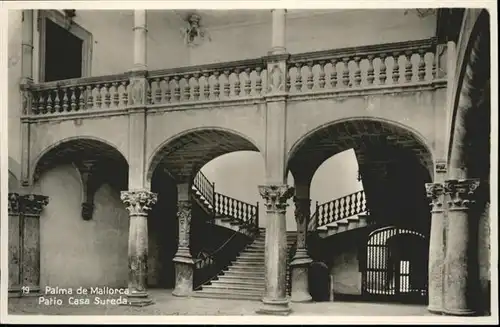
(337, 209)
(342, 70)
(247, 214)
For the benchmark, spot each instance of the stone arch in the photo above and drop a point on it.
(419, 139)
(202, 145)
(14, 181)
(74, 144)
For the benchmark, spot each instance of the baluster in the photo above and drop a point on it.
(165, 97)
(237, 82)
(177, 89)
(321, 78)
(435, 65)
(149, 95)
(408, 66)
(157, 97)
(248, 82)
(216, 85)
(57, 101)
(298, 77)
(41, 105)
(98, 98)
(226, 86)
(310, 77)
(196, 87)
(107, 96)
(65, 100)
(34, 105)
(81, 98)
(116, 95)
(345, 71)
(49, 102)
(421, 64)
(383, 69)
(333, 73)
(395, 71)
(90, 97)
(370, 73)
(73, 99)
(258, 81)
(357, 71)
(206, 86)
(186, 90)
(125, 94)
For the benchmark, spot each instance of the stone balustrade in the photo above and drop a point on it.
(331, 72)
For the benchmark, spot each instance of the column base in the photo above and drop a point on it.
(274, 307)
(459, 312)
(301, 297)
(138, 300)
(435, 310)
(184, 272)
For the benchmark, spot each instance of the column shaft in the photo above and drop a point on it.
(275, 298)
(278, 31)
(27, 46)
(436, 247)
(14, 245)
(458, 281)
(31, 206)
(184, 263)
(140, 38)
(301, 259)
(138, 203)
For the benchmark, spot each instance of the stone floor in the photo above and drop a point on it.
(167, 304)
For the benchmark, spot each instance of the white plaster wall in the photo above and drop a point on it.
(92, 253)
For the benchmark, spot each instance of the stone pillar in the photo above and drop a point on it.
(25, 88)
(458, 280)
(435, 192)
(138, 203)
(301, 260)
(275, 298)
(184, 263)
(14, 246)
(140, 37)
(278, 31)
(31, 206)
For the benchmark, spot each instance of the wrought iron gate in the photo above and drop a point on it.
(396, 265)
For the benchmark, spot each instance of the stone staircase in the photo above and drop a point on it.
(244, 279)
(358, 221)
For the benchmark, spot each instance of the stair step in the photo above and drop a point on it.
(232, 296)
(239, 278)
(248, 264)
(235, 288)
(256, 269)
(240, 282)
(243, 274)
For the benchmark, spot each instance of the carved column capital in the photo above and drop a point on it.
(32, 204)
(440, 166)
(276, 197)
(435, 193)
(13, 204)
(184, 217)
(138, 202)
(462, 193)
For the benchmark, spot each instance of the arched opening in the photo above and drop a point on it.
(395, 265)
(200, 158)
(319, 281)
(394, 164)
(84, 227)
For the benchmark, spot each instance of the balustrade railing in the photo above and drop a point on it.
(205, 187)
(337, 209)
(246, 213)
(339, 70)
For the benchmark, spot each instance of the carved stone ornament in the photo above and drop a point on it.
(138, 202)
(13, 204)
(462, 193)
(435, 193)
(194, 34)
(137, 90)
(276, 196)
(440, 166)
(276, 78)
(32, 204)
(302, 210)
(184, 216)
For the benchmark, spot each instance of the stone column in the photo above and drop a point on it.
(25, 88)
(458, 281)
(184, 263)
(435, 192)
(31, 206)
(301, 260)
(138, 203)
(14, 246)
(275, 298)
(140, 37)
(278, 31)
